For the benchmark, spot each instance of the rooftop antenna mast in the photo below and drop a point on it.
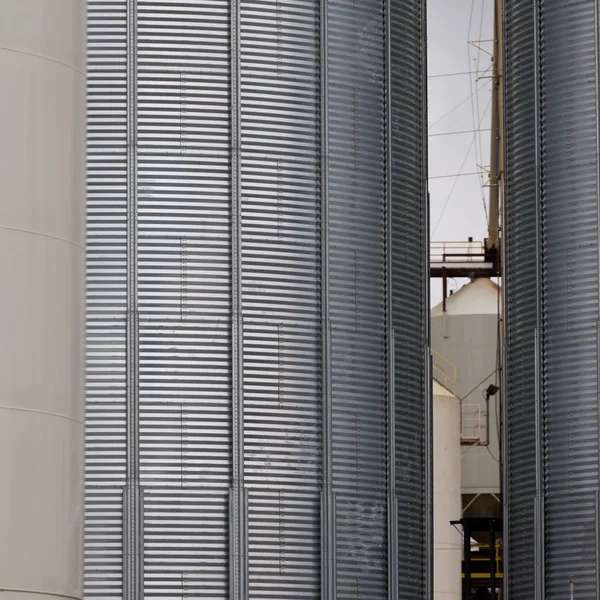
(493, 244)
(469, 258)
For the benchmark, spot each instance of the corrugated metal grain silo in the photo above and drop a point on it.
(257, 421)
(552, 352)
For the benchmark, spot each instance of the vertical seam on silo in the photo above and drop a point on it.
(539, 497)
(328, 508)
(238, 569)
(392, 532)
(538, 504)
(133, 566)
(597, 109)
(184, 277)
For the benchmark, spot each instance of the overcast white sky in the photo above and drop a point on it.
(451, 25)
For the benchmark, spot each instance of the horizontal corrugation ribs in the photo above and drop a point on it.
(361, 547)
(184, 297)
(105, 298)
(284, 543)
(186, 544)
(359, 417)
(357, 279)
(409, 296)
(521, 282)
(356, 165)
(279, 90)
(280, 296)
(568, 282)
(103, 542)
(570, 294)
(282, 409)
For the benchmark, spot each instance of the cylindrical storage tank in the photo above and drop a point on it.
(465, 338)
(256, 310)
(42, 170)
(551, 244)
(447, 540)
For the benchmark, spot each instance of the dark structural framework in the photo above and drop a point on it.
(257, 293)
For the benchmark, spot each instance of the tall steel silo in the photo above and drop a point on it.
(552, 343)
(258, 422)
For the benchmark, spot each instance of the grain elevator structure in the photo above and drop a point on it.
(258, 407)
(552, 334)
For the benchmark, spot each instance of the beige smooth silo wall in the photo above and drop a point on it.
(447, 540)
(42, 197)
(466, 335)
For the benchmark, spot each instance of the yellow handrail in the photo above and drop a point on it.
(498, 546)
(444, 372)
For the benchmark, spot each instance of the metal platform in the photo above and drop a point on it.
(462, 259)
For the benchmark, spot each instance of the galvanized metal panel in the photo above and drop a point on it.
(279, 165)
(552, 287)
(361, 547)
(184, 294)
(570, 295)
(280, 296)
(359, 413)
(103, 542)
(282, 459)
(408, 247)
(282, 445)
(283, 543)
(357, 165)
(185, 543)
(106, 298)
(264, 231)
(357, 291)
(520, 240)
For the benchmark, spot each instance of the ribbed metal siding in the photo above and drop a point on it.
(521, 246)
(552, 189)
(410, 298)
(106, 299)
(357, 196)
(280, 295)
(311, 76)
(183, 225)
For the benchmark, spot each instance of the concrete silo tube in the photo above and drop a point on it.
(42, 65)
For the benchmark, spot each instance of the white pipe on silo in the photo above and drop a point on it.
(42, 69)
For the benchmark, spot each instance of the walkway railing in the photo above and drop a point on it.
(457, 252)
(444, 372)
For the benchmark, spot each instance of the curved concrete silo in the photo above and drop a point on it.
(466, 335)
(42, 174)
(447, 505)
(258, 422)
(552, 346)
